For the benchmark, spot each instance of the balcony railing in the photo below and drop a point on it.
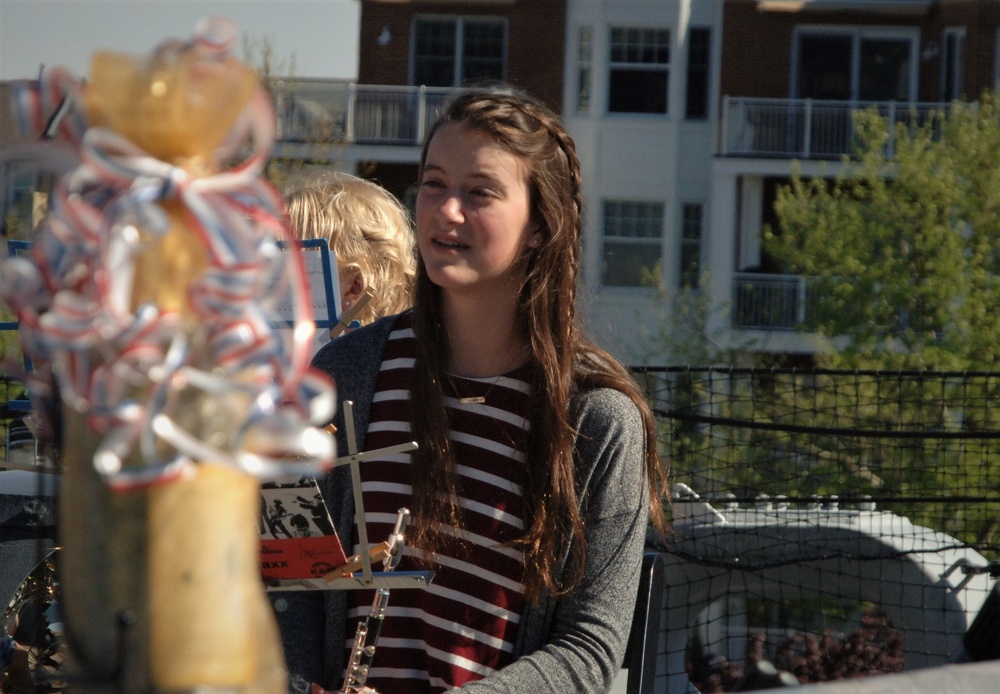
(804, 128)
(325, 111)
(769, 302)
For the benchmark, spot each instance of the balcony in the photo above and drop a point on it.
(769, 302)
(327, 111)
(804, 128)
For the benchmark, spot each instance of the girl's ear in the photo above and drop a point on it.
(352, 286)
(536, 235)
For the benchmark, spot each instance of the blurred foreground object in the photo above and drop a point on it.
(148, 305)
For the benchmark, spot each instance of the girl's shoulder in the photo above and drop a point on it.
(603, 385)
(606, 403)
(361, 346)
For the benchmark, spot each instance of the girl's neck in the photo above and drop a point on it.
(483, 336)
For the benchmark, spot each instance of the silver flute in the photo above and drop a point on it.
(363, 651)
(366, 635)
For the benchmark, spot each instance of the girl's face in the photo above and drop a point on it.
(473, 215)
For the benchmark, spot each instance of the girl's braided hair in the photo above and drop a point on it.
(563, 360)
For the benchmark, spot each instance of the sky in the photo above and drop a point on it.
(314, 38)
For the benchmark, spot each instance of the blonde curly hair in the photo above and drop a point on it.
(367, 228)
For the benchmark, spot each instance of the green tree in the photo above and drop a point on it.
(902, 252)
(277, 78)
(902, 248)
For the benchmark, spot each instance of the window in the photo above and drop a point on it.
(633, 243)
(450, 52)
(640, 70)
(698, 73)
(20, 201)
(952, 63)
(856, 64)
(996, 59)
(691, 226)
(585, 58)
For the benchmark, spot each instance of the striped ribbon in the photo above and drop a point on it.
(139, 374)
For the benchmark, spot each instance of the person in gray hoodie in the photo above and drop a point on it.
(537, 472)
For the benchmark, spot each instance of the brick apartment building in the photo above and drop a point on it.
(634, 83)
(791, 74)
(444, 44)
(448, 44)
(687, 114)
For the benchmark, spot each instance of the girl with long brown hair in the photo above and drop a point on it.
(537, 469)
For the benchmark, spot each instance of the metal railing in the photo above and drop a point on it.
(327, 111)
(769, 302)
(804, 128)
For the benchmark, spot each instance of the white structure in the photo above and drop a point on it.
(640, 100)
(927, 584)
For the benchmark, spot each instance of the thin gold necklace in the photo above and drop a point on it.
(474, 399)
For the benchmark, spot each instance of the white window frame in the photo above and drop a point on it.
(858, 35)
(459, 22)
(631, 223)
(954, 64)
(665, 68)
(996, 59)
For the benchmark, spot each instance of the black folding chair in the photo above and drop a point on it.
(640, 654)
(982, 640)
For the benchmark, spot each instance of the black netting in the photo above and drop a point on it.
(833, 523)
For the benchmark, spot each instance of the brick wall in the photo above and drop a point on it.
(757, 46)
(756, 51)
(981, 18)
(535, 41)
(8, 132)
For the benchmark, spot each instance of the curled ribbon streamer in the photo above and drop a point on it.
(46, 108)
(136, 373)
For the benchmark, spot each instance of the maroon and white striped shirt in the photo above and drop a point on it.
(463, 625)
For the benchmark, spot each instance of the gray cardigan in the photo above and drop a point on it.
(574, 644)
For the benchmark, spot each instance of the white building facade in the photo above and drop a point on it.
(641, 86)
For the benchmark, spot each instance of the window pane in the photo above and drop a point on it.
(618, 45)
(639, 73)
(633, 219)
(698, 73)
(885, 70)
(690, 269)
(632, 247)
(434, 52)
(952, 68)
(20, 196)
(435, 38)
(583, 93)
(630, 264)
(434, 72)
(824, 67)
(692, 220)
(996, 59)
(482, 51)
(585, 48)
(584, 56)
(641, 46)
(638, 91)
(690, 266)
